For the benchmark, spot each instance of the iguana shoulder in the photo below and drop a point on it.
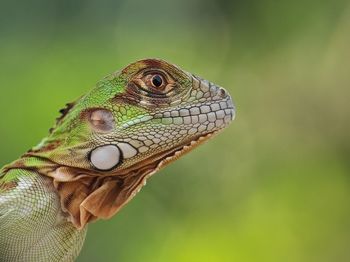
(30, 214)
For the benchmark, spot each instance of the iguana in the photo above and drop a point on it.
(100, 153)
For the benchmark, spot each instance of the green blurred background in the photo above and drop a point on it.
(273, 187)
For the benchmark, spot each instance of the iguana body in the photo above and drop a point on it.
(99, 155)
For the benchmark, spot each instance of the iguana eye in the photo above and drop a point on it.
(157, 81)
(156, 87)
(154, 82)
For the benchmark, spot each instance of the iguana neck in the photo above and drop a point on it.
(32, 220)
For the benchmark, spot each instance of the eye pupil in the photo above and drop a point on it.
(157, 80)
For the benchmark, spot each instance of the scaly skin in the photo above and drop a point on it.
(100, 153)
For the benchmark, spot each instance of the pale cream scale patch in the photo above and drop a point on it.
(105, 157)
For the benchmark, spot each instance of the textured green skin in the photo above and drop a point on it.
(33, 224)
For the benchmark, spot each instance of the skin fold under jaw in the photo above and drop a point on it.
(109, 142)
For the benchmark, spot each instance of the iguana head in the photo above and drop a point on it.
(106, 144)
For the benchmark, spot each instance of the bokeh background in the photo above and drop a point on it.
(273, 187)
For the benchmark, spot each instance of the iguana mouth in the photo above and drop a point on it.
(133, 178)
(155, 163)
(144, 170)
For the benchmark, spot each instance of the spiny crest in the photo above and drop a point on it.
(63, 113)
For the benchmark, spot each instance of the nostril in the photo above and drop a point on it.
(222, 92)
